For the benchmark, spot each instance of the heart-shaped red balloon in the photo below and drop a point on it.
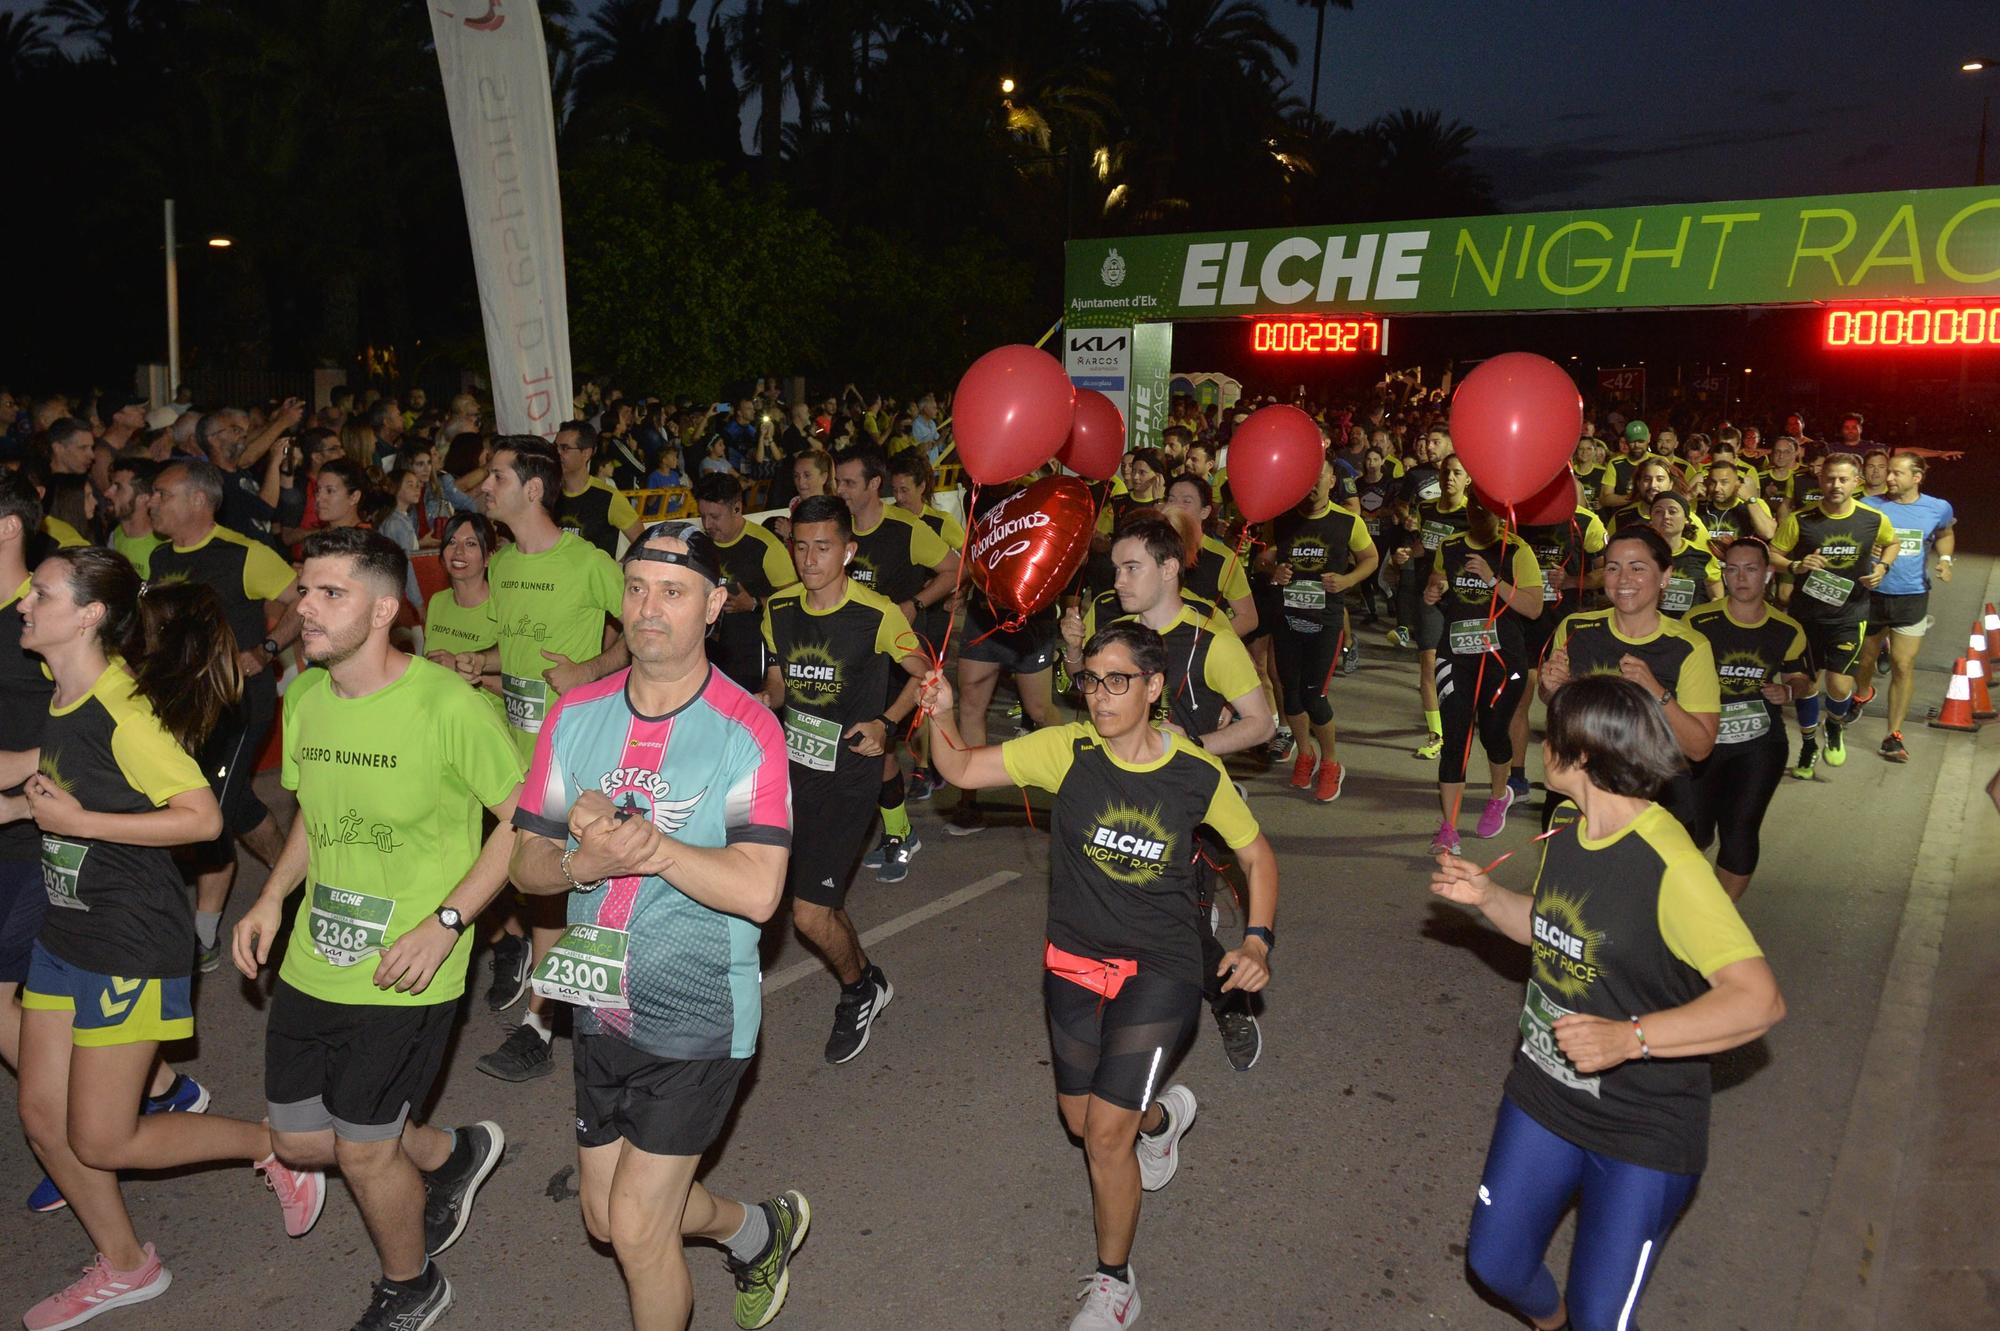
(1028, 546)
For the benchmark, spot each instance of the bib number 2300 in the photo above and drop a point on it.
(585, 967)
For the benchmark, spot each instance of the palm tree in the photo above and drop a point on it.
(1319, 39)
(1426, 166)
(23, 44)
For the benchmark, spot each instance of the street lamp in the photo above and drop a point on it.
(1981, 65)
(1006, 87)
(215, 242)
(220, 242)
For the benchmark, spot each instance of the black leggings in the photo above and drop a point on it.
(1120, 1049)
(1499, 691)
(1733, 787)
(1305, 669)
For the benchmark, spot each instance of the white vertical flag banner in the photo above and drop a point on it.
(496, 87)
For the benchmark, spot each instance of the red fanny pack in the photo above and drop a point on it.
(1103, 978)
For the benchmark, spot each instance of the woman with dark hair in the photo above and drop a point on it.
(1641, 968)
(459, 617)
(114, 788)
(812, 474)
(71, 501)
(1123, 963)
(1693, 576)
(1768, 666)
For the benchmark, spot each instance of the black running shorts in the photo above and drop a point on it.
(834, 820)
(1834, 647)
(359, 1069)
(663, 1106)
(1119, 1049)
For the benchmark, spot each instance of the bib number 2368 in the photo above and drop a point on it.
(347, 926)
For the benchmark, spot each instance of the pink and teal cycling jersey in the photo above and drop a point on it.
(713, 773)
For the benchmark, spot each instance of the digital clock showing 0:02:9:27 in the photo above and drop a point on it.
(1867, 327)
(1351, 335)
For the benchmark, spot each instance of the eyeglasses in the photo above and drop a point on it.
(1114, 682)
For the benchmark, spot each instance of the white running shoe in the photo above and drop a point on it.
(1109, 1304)
(1160, 1156)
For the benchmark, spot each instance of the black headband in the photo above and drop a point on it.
(700, 555)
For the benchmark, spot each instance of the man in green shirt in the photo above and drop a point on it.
(393, 760)
(131, 500)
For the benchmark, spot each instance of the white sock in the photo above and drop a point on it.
(535, 1022)
(206, 923)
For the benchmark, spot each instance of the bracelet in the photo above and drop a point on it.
(1645, 1050)
(569, 875)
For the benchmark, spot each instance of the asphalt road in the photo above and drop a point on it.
(1328, 1187)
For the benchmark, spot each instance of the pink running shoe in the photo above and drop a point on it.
(100, 1289)
(1494, 816)
(301, 1192)
(1446, 840)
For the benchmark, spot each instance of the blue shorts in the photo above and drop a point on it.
(109, 1009)
(23, 901)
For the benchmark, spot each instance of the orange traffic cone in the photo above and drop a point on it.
(1975, 679)
(1956, 714)
(1989, 624)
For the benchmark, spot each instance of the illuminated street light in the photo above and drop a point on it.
(220, 242)
(1006, 87)
(1972, 66)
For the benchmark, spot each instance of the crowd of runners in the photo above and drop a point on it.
(617, 753)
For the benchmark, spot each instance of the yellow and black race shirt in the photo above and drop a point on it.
(1803, 487)
(116, 909)
(1640, 514)
(1747, 657)
(1678, 656)
(838, 665)
(1467, 603)
(1631, 923)
(1729, 523)
(1316, 544)
(1122, 871)
(1834, 594)
(1435, 521)
(1619, 471)
(598, 513)
(24, 707)
(1591, 481)
(1563, 549)
(1207, 664)
(948, 528)
(1217, 575)
(758, 562)
(243, 572)
(896, 556)
(1689, 574)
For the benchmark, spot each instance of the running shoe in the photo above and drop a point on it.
(100, 1289)
(878, 856)
(1446, 840)
(1109, 1304)
(1836, 744)
(854, 1016)
(395, 1307)
(512, 956)
(301, 1193)
(523, 1056)
(966, 818)
(1014, 712)
(208, 959)
(761, 1285)
(1400, 637)
(185, 1096)
(1332, 776)
(1808, 759)
(1493, 818)
(1893, 750)
(1432, 746)
(1242, 1037)
(1350, 658)
(1519, 785)
(897, 852)
(1160, 1155)
(920, 785)
(449, 1191)
(1303, 769)
(46, 1197)
(1280, 747)
(1859, 701)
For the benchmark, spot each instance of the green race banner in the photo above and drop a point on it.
(1928, 244)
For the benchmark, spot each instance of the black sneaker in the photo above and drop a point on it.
(401, 1308)
(448, 1192)
(1242, 1037)
(523, 1056)
(854, 1016)
(1808, 759)
(966, 818)
(1893, 750)
(511, 957)
(208, 959)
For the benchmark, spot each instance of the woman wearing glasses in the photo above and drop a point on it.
(1123, 980)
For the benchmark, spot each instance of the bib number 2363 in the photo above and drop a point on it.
(585, 967)
(347, 926)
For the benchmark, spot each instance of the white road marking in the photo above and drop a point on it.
(792, 974)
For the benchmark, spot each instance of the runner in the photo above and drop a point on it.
(112, 788)
(1421, 484)
(392, 760)
(1621, 471)
(1124, 960)
(1435, 520)
(1653, 479)
(1375, 490)
(658, 802)
(1214, 573)
(1760, 655)
(1567, 554)
(552, 593)
(1899, 607)
(131, 501)
(256, 586)
(1028, 654)
(1786, 453)
(590, 505)
(836, 650)
(757, 565)
(1632, 639)
(1838, 552)
(1607, 1103)
(1730, 506)
(1319, 551)
(1484, 673)
(1589, 468)
(1693, 577)
(914, 486)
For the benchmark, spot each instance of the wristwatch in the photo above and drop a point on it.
(1269, 936)
(270, 647)
(1666, 696)
(450, 919)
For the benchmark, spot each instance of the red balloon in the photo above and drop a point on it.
(1555, 504)
(1028, 546)
(1274, 461)
(1514, 423)
(1096, 437)
(1013, 410)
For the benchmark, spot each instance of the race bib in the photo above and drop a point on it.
(1829, 588)
(347, 926)
(62, 861)
(1743, 720)
(1474, 637)
(1307, 593)
(812, 741)
(1678, 596)
(527, 702)
(1538, 1041)
(585, 967)
(1909, 543)
(1435, 533)
(1552, 584)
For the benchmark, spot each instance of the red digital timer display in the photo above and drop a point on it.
(1859, 327)
(1351, 335)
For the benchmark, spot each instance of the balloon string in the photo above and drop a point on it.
(914, 643)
